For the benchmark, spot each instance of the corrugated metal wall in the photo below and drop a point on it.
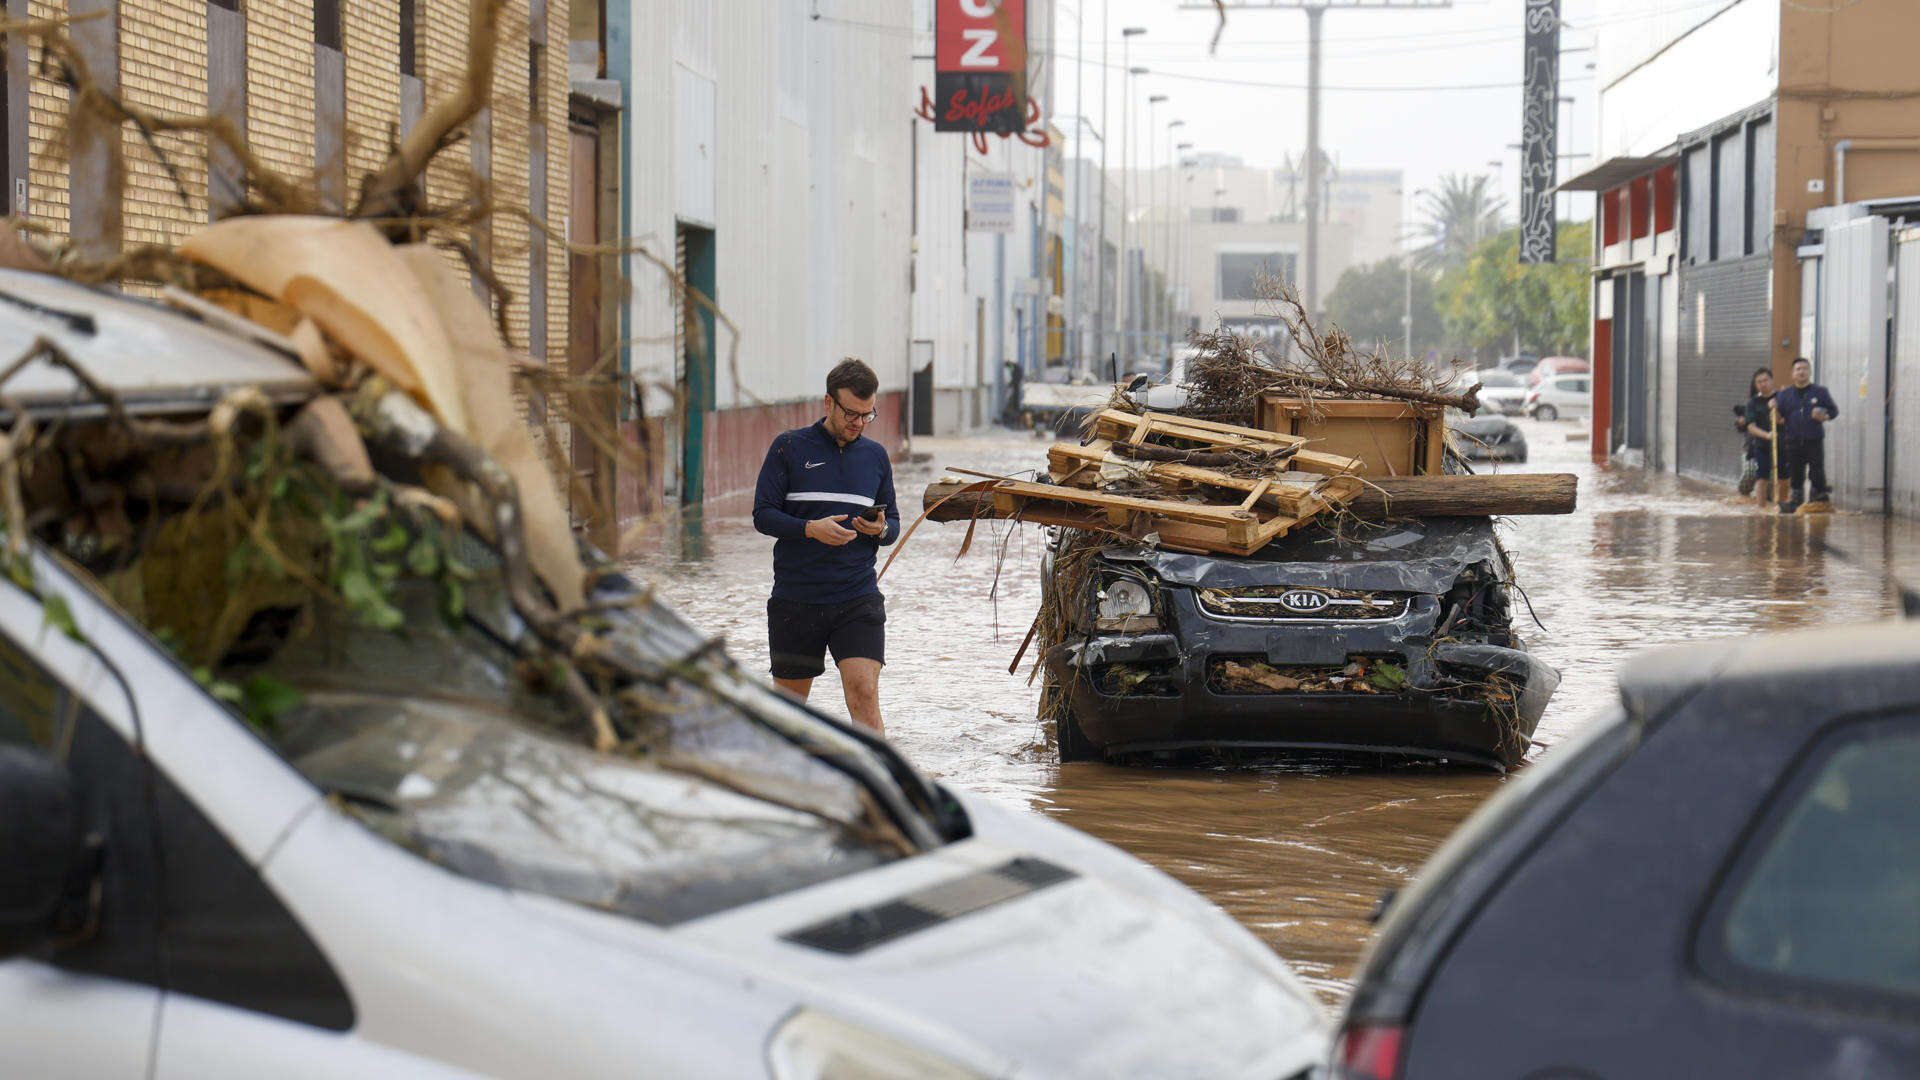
(1723, 331)
(789, 137)
(1904, 483)
(1852, 361)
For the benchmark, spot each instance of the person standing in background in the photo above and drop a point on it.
(1758, 427)
(1804, 409)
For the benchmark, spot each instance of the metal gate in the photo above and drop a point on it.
(1903, 412)
(1852, 359)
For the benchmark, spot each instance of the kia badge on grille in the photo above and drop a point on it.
(1304, 601)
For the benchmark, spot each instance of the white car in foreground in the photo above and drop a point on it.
(414, 873)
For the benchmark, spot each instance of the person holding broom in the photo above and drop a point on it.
(1757, 424)
(1804, 409)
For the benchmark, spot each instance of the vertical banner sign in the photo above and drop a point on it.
(1539, 142)
(980, 66)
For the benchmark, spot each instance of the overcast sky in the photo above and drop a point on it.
(1415, 124)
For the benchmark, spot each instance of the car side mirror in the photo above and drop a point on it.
(46, 859)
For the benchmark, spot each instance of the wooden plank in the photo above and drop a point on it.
(1467, 496)
(1254, 495)
(1063, 458)
(1197, 512)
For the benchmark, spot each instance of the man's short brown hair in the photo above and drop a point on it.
(854, 375)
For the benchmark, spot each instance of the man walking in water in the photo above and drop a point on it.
(1804, 408)
(826, 497)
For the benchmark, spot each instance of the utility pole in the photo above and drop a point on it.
(1123, 314)
(1310, 290)
(1100, 244)
(1075, 292)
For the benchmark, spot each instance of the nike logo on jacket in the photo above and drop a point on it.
(808, 475)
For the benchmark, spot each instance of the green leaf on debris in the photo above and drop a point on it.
(264, 698)
(1386, 676)
(391, 541)
(57, 614)
(423, 558)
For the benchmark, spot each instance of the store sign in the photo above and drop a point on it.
(990, 202)
(1540, 93)
(1029, 134)
(980, 66)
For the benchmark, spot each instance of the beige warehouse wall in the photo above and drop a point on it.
(1845, 74)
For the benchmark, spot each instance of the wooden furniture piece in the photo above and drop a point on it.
(1390, 438)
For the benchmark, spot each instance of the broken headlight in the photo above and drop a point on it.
(1124, 604)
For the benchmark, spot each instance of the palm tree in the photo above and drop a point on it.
(1463, 212)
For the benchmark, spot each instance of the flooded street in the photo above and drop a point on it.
(1300, 856)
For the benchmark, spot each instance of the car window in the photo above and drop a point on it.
(1499, 379)
(1827, 892)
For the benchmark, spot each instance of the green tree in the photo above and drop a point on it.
(1485, 302)
(1369, 301)
(1464, 212)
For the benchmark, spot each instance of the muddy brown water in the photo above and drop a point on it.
(1299, 855)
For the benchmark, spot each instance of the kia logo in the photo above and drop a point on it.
(1304, 601)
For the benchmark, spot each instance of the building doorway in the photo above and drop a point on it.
(693, 325)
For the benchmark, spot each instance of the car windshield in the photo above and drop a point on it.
(1500, 379)
(440, 743)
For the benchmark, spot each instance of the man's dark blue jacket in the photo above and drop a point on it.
(1796, 411)
(809, 475)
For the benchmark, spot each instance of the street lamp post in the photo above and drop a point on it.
(1124, 306)
(1179, 231)
(1406, 238)
(1149, 309)
(1166, 240)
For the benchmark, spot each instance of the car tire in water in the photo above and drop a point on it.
(1545, 412)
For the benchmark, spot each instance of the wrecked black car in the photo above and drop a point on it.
(1487, 438)
(1391, 640)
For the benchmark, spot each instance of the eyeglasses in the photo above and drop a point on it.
(854, 417)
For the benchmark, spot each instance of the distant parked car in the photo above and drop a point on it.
(1500, 391)
(1560, 395)
(1519, 365)
(1721, 879)
(1488, 438)
(1556, 365)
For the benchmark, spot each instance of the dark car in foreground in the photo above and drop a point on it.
(1487, 438)
(1722, 879)
(1392, 640)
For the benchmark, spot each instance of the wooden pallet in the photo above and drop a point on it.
(1197, 527)
(1118, 426)
(1071, 463)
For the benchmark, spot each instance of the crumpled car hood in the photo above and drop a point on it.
(1422, 556)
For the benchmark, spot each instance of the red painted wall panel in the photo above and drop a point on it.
(737, 439)
(1639, 194)
(1664, 208)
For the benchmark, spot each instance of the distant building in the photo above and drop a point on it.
(1723, 133)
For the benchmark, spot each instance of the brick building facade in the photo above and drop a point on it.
(320, 89)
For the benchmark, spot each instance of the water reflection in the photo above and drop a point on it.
(1302, 855)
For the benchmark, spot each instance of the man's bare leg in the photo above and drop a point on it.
(860, 677)
(799, 688)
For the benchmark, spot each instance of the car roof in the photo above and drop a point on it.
(157, 359)
(1819, 672)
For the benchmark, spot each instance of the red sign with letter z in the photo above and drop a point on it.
(980, 66)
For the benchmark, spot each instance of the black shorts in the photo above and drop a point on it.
(799, 635)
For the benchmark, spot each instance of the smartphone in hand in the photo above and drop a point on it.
(874, 513)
